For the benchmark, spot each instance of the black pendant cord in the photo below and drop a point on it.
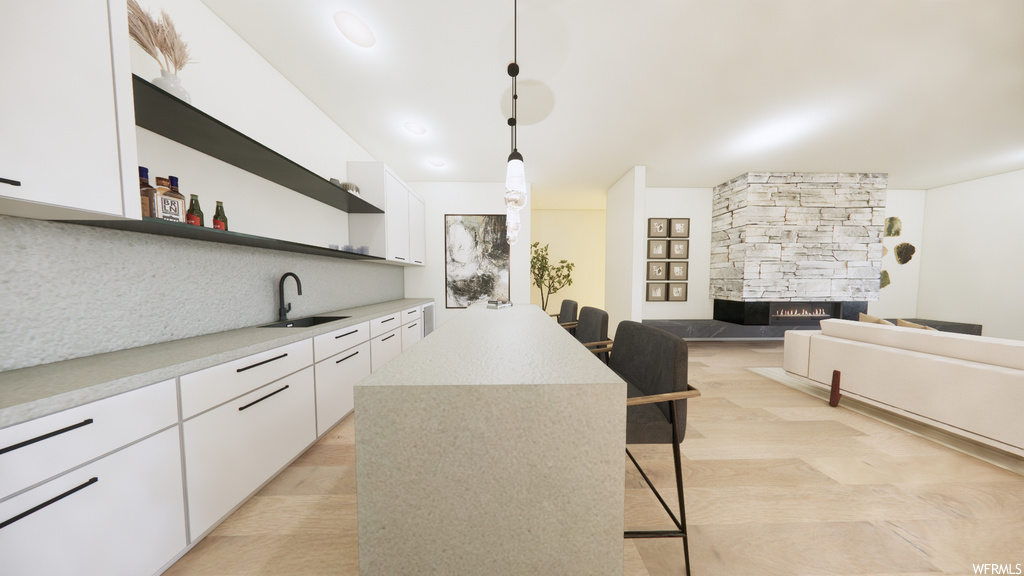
(513, 69)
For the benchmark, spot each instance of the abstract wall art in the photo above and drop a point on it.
(476, 259)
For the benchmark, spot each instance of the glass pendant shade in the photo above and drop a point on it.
(515, 182)
(512, 226)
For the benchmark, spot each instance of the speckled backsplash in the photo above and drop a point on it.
(68, 291)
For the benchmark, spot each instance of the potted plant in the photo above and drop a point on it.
(548, 278)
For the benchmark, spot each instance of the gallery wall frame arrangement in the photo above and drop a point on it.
(476, 259)
(668, 253)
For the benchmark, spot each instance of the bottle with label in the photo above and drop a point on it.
(195, 213)
(220, 221)
(168, 204)
(146, 192)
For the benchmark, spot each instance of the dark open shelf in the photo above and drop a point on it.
(159, 112)
(179, 230)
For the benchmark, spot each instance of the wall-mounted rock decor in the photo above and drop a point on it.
(884, 280)
(893, 227)
(904, 252)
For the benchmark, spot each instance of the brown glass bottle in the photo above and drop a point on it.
(194, 216)
(146, 192)
(220, 221)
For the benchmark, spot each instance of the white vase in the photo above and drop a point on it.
(170, 83)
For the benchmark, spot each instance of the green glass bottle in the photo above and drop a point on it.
(220, 221)
(195, 213)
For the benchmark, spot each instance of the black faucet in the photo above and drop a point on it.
(283, 312)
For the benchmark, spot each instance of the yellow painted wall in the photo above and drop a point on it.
(579, 237)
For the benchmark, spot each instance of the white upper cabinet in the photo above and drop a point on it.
(398, 234)
(65, 93)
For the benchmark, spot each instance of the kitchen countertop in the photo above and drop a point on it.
(30, 393)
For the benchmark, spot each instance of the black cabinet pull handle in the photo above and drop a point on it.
(412, 325)
(14, 447)
(31, 511)
(261, 363)
(418, 261)
(347, 357)
(346, 334)
(399, 258)
(388, 338)
(282, 389)
(410, 312)
(387, 320)
(11, 182)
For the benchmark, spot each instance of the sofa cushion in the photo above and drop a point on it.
(995, 351)
(862, 317)
(906, 324)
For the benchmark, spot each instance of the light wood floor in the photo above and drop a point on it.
(776, 482)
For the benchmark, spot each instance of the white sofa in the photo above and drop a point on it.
(972, 386)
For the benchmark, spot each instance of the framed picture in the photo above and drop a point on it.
(679, 228)
(657, 249)
(679, 249)
(657, 270)
(678, 270)
(657, 227)
(656, 292)
(476, 258)
(677, 292)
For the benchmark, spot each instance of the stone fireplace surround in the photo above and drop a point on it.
(796, 237)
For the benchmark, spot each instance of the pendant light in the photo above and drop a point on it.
(515, 177)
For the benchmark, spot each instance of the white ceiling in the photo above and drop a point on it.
(698, 91)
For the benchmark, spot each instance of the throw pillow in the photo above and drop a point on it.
(905, 324)
(873, 319)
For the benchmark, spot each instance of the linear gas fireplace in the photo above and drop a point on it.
(785, 313)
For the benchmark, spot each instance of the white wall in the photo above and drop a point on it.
(695, 204)
(625, 248)
(579, 237)
(973, 267)
(899, 298)
(234, 84)
(442, 198)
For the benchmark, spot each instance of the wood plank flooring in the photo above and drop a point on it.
(777, 483)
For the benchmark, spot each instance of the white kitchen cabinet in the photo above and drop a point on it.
(385, 347)
(45, 447)
(384, 324)
(417, 230)
(412, 326)
(62, 110)
(393, 235)
(335, 379)
(207, 388)
(122, 515)
(329, 344)
(233, 449)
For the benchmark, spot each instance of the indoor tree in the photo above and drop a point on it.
(548, 278)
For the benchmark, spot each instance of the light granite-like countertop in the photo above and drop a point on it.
(29, 393)
(502, 413)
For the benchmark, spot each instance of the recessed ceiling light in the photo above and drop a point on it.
(353, 28)
(415, 128)
(436, 163)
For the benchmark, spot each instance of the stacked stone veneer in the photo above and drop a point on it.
(798, 237)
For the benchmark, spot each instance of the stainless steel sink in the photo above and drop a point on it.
(304, 322)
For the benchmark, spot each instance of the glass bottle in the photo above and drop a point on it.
(146, 192)
(178, 195)
(220, 221)
(195, 213)
(168, 205)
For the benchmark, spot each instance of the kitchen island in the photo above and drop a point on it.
(493, 447)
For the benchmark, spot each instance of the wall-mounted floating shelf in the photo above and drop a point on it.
(159, 112)
(179, 230)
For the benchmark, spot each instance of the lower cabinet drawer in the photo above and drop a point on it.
(233, 449)
(120, 515)
(384, 348)
(411, 334)
(42, 448)
(335, 379)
